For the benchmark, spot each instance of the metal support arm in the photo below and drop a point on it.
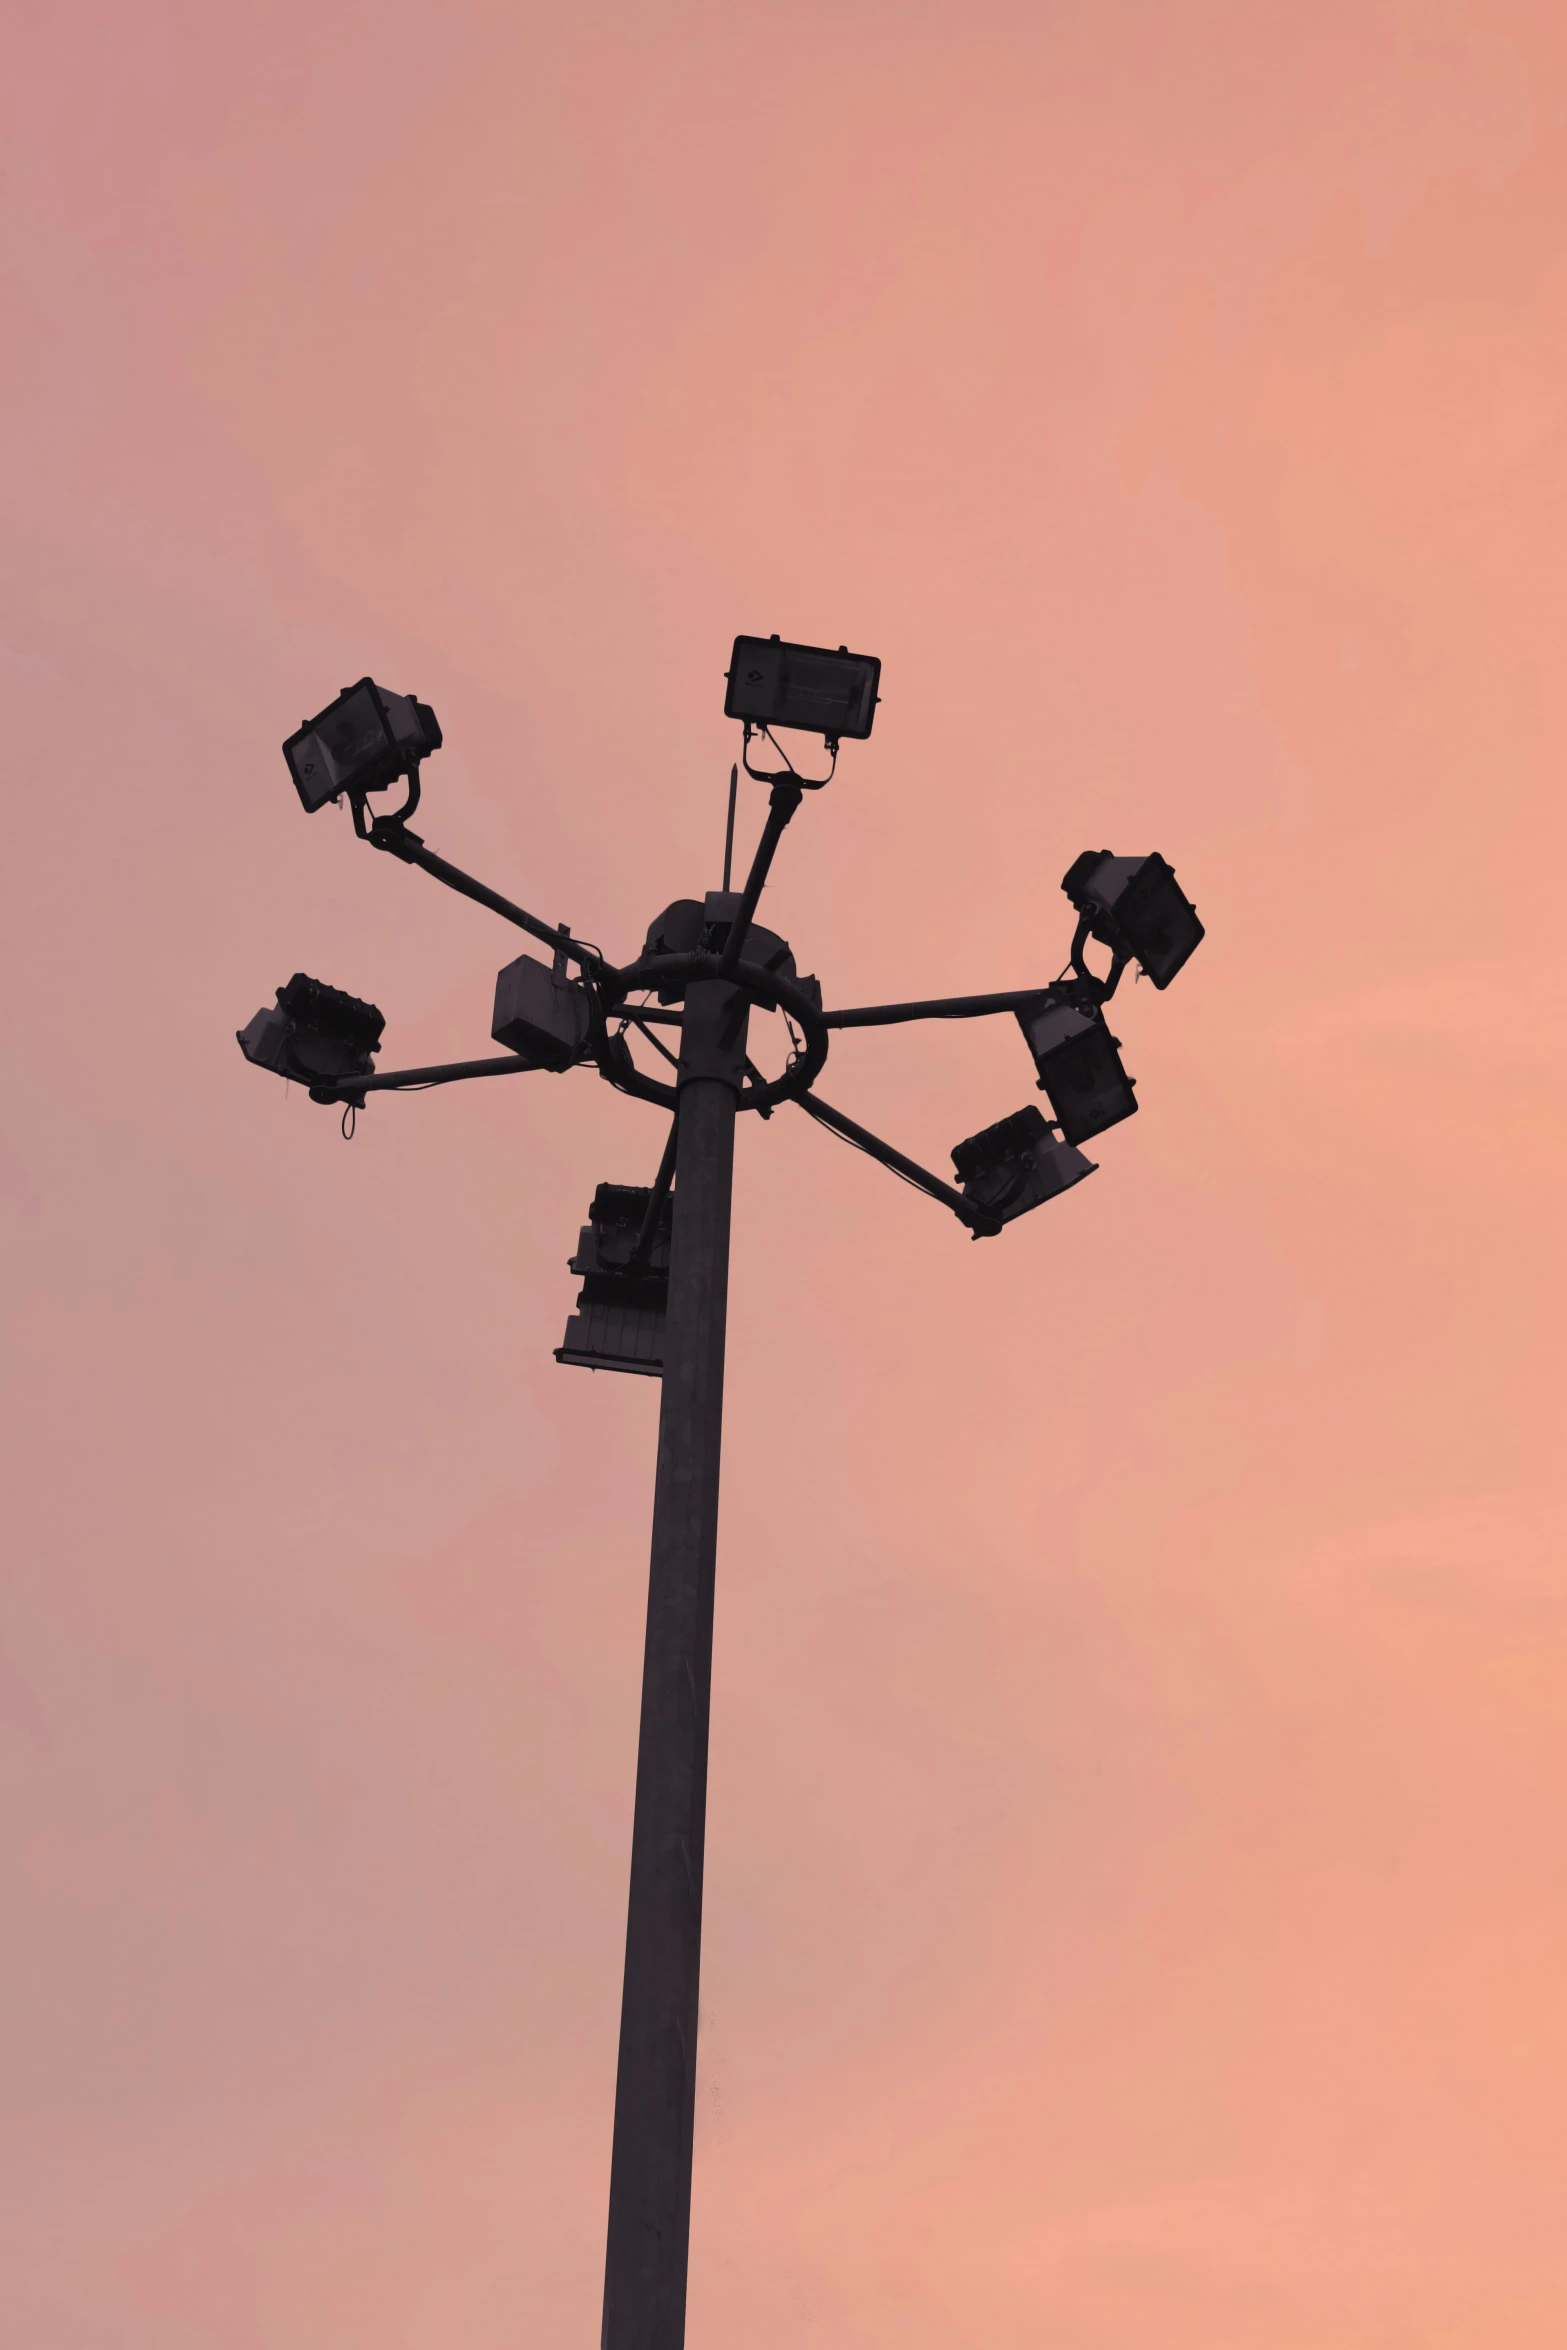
(782, 803)
(398, 841)
(979, 1220)
(948, 1007)
(353, 1089)
(655, 1200)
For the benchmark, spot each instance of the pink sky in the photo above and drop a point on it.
(1136, 1872)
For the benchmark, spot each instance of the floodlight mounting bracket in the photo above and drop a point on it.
(786, 773)
(1103, 989)
(368, 826)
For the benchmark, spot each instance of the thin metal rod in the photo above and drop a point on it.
(398, 841)
(655, 2085)
(445, 1073)
(656, 1198)
(636, 1020)
(782, 803)
(729, 830)
(976, 1218)
(949, 1007)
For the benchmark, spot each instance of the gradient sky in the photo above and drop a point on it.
(1136, 1875)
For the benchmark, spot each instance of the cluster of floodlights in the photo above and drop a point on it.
(554, 1016)
(705, 963)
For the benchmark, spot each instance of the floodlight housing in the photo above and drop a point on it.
(805, 687)
(1017, 1164)
(315, 1034)
(540, 1013)
(1135, 906)
(360, 743)
(619, 1322)
(1079, 1064)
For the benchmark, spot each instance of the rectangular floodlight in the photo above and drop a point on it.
(361, 742)
(1136, 907)
(1017, 1164)
(314, 1033)
(1079, 1067)
(619, 1322)
(803, 686)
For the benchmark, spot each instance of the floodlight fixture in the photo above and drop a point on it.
(1079, 1063)
(619, 1321)
(360, 743)
(541, 1013)
(804, 687)
(314, 1034)
(1017, 1164)
(1136, 907)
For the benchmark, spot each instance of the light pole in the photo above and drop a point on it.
(655, 1263)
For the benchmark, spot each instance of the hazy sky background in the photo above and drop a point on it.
(1136, 1871)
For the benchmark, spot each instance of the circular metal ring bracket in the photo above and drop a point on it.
(765, 988)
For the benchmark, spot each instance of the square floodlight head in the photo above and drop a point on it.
(1079, 1066)
(362, 742)
(1137, 907)
(805, 687)
(1017, 1164)
(315, 1033)
(540, 1013)
(619, 1322)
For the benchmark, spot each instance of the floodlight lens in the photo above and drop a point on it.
(806, 687)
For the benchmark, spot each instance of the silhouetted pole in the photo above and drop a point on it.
(655, 2088)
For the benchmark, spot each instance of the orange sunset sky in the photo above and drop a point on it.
(1136, 1876)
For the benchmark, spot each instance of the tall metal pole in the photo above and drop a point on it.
(655, 2089)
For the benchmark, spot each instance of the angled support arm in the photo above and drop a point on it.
(353, 1089)
(655, 1200)
(947, 1007)
(979, 1220)
(398, 841)
(782, 803)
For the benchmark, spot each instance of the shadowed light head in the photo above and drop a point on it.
(1017, 1164)
(362, 742)
(314, 1033)
(803, 686)
(1135, 906)
(1079, 1064)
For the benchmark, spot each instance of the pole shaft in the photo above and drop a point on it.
(655, 2089)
